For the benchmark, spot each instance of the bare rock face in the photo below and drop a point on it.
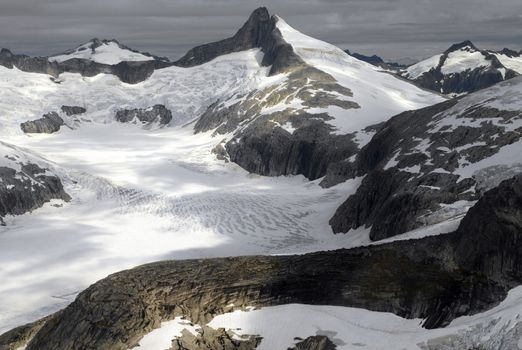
(437, 278)
(316, 342)
(73, 110)
(155, 114)
(49, 123)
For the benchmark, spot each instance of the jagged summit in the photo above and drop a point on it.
(462, 45)
(254, 33)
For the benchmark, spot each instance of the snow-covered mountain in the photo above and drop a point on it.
(464, 68)
(103, 51)
(151, 160)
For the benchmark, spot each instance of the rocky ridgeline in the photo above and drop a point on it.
(157, 114)
(48, 124)
(127, 72)
(435, 278)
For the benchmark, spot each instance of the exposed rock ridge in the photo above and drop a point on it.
(258, 32)
(435, 278)
(411, 167)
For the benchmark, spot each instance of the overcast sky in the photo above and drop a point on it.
(390, 28)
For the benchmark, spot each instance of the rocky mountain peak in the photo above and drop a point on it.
(466, 44)
(252, 34)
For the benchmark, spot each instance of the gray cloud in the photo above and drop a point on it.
(391, 28)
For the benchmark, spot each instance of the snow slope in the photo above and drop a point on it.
(511, 62)
(380, 95)
(108, 52)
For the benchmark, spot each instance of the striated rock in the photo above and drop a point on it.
(49, 123)
(155, 114)
(316, 342)
(73, 110)
(18, 337)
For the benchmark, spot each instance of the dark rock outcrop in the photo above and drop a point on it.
(272, 151)
(155, 114)
(27, 189)
(48, 124)
(316, 342)
(73, 110)
(253, 34)
(437, 278)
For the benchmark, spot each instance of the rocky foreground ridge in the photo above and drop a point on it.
(436, 278)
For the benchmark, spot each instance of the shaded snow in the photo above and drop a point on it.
(422, 67)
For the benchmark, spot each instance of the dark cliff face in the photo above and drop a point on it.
(253, 34)
(258, 32)
(436, 278)
(155, 114)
